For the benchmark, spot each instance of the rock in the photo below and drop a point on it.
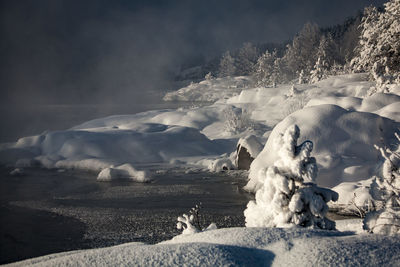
(246, 151)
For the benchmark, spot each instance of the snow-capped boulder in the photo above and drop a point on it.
(247, 150)
(343, 139)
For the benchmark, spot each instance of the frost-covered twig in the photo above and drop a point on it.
(190, 224)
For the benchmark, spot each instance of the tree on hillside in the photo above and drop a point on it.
(349, 42)
(264, 69)
(320, 70)
(226, 65)
(246, 59)
(300, 55)
(378, 51)
(327, 55)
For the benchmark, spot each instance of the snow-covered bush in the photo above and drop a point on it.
(289, 196)
(226, 65)
(221, 164)
(237, 119)
(208, 76)
(190, 224)
(386, 192)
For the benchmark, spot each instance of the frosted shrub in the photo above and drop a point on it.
(386, 191)
(237, 120)
(289, 196)
(208, 77)
(190, 224)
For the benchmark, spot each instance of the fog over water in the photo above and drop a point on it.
(127, 52)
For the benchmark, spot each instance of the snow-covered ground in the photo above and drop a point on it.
(242, 247)
(336, 114)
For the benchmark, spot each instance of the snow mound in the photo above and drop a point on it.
(386, 221)
(99, 148)
(125, 171)
(241, 247)
(210, 90)
(353, 195)
(343, 142)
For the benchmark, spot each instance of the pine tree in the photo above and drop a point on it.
(226, 65)
(378, 51)
(246, 59)
(289, 197)
(264, 69)
(300, 54)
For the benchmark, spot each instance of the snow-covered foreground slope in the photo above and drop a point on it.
(242, 247)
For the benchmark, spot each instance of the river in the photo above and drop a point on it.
(48, 211)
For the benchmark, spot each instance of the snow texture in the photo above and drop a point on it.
(342, 131)
(343, 143)
(288, 196)
(241, 247)
(386, 192)
(210, 90)
(125, 171)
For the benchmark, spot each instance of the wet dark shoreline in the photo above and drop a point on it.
(46, 211)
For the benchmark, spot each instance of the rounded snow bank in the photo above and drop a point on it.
(99, 148)
(241, 247)
(343, 143)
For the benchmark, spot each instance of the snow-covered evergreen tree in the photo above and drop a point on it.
(300, 54)
(327, 54)
(289, 196)
(246, 59)
(319, 71)
(264, 69)
(378, 51)
(302, 78)
(386, 193)
(226, 65)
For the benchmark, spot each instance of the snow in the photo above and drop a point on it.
(242, 246)
(343, 142)
(210, 90)
(288, 197)
(336, 114)
(252, 145)
(124, 171)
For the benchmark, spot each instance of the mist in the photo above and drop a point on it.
(128, 52)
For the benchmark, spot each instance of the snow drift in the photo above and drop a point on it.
(343, 142)
(241, 247)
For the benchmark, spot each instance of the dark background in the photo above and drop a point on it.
(126, 52)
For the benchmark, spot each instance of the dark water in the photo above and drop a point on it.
(46, 211)
(17, 122)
